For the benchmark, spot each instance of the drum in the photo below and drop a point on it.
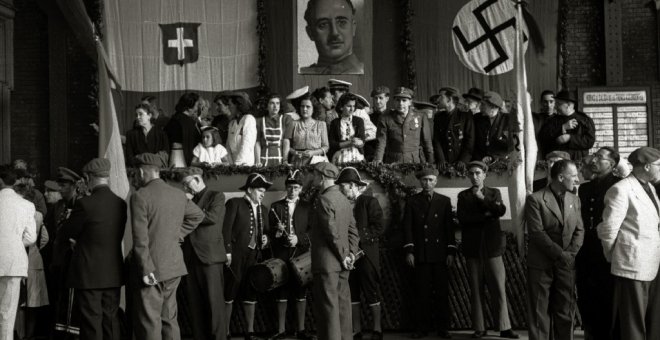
(301, 268)
(268, 275)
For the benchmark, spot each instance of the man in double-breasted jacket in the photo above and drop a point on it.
(430, 244)
(453, 130)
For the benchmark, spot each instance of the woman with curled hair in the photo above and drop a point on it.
(308, 137)
(182, 130)
(242, 134)
(145, 136)
(347, 132)
(271, 147)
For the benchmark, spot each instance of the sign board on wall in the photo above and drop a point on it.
(622, 116)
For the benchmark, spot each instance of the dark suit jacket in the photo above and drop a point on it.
(582, 137)
(369, 221)
(480, 223)
(400, 138)
(429, 228)
(97, 224)
(207, 240)
(332, 231)
(237, 227)
(334, 133)
(550, 232)
(453, 136)
(280, 245)
(491, 139)
(161, 217)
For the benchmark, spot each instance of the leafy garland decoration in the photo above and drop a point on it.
(408, 43)
(262, 29)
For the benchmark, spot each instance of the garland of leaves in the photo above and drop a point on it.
(408, 43)
(262, 29)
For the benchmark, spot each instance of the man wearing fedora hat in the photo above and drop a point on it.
(569, 130)
(245, 233)
(491, 129)
(335, 242)
(205, 255)
(288, 219)
(369, 222)
(97, 225)
(404, 135)
(160, 216)
(472, 100)
(453, 131)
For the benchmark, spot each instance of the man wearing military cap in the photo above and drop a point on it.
(288, 219)
(96, 225)
(369, 222)
(479, 210)
(430, 246)
(550, 159)
(161, 216)
(491, 129)
(205, 257)
(245, 229)
(453, 131)
(631, 243)
(335, 239)
(404, 135)
(569, 130)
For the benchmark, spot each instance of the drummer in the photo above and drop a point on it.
(288, 232)
(245, 224)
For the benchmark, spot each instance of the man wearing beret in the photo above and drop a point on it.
(335, 242)
(245, 229)
(491, 129)
(96, 225)
(569, 130)
(556, 232)
(631, 243)
(429, 227)
(595, 284)
(479, 210)
(453, 131)
(161, 216)
(550, 159)
(404, 135)
(204, 254)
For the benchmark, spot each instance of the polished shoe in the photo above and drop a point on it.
(418, 335)
(479, 334)
(278, 336)
(305, 335)
(444, 334)
(509, 334)
(375, 335)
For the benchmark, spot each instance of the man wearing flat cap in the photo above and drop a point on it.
(335, 243)
(569, 130)
(453, 131)
(288, 219)
(205, 257)
(550, 159)
(161, 216)
(491, 129)
(429, 227)
(97, 225)
(404, 135)
(245, 229)
(479, 210)
(369, 222)
(631, 243)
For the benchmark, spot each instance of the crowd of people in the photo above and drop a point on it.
(600, 239)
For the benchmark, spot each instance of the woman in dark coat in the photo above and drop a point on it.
(145, 136)
(346, 133)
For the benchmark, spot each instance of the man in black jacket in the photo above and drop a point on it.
(491, 129)
(204, 254)
(453, 131)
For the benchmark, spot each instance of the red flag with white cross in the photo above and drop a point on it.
(180, 43)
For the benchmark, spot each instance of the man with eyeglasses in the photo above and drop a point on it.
(595, 284)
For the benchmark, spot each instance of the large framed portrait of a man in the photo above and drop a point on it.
(329, 36)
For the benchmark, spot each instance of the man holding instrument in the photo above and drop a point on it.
(245, 221)
(288, 219)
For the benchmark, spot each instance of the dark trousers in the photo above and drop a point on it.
(491, 272)
(653, 331)
(98, 313)
(155, 311)
(635, 304)
(364, 278)
(595, 288)
(551, 295)
(206, 299)
(430, 278)
(332, 306)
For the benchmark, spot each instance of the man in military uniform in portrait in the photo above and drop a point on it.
(429, 228)
(404, 135)
(595, 284)
(453, 130)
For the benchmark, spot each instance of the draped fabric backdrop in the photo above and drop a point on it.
(437, 64)
(227, 45)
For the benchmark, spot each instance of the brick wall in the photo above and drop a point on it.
(585, 58)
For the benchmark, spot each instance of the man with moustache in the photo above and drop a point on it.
(453, 131)
(595, 284)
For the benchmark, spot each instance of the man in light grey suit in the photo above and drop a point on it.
(631, 243)
(18, 229)
(556, 233)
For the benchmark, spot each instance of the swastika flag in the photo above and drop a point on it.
(180, 43)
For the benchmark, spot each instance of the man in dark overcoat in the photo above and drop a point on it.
(430, 245)
(205, 257)
(491, 129)
(96, 225)
(161, 216)
(453, 130)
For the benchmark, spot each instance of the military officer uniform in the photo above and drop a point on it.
(404, 139)
(453, 136)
